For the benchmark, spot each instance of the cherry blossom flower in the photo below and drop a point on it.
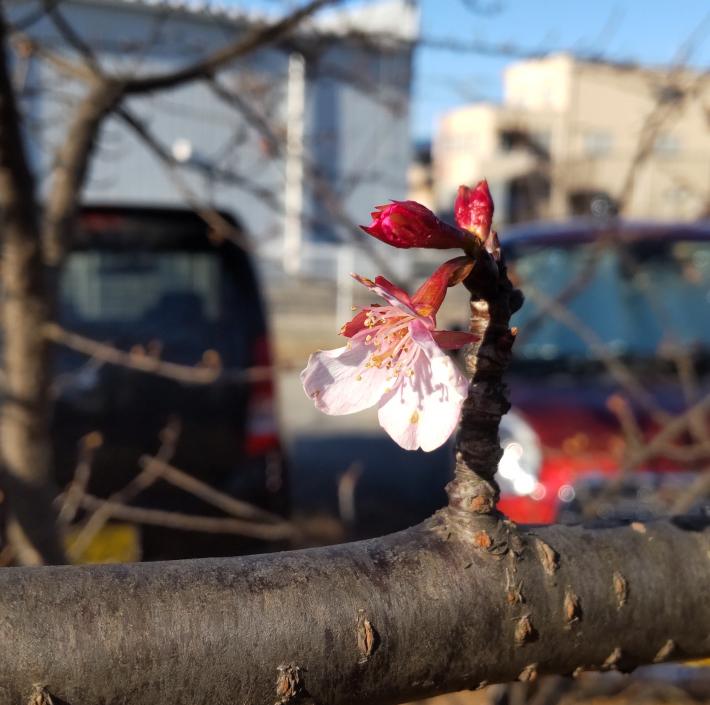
(410, 224)
(395, 359)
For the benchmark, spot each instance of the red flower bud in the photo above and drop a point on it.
(473, 209)
(410, 224)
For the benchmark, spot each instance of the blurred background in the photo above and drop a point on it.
(218, 227)
(219, 222)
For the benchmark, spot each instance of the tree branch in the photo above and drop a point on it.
(24, 426)
(140, 362)
(258, 37)
(189, 522)
(381, 621)
(71, 166)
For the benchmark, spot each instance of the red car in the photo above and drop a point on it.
(613, 311)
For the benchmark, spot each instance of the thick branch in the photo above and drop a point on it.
(72, 163)
(409, 615)
(474, 491)
(24, 427)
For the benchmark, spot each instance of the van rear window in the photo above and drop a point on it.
(141, 288)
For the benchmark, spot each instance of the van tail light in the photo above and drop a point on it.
(262, 429)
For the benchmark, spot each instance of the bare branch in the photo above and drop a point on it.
(323, 190)
(136, 360)
(71, 501)
(71, 37)
(190, 484)
(255, 39)
(147, 477)
(189, 522)
(212, 217)
(33, 16)
(71, 166)
(699, 489)
(24, 425)
(616, 368)
(669, 432)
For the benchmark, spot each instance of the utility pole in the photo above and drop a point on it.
(293, 196)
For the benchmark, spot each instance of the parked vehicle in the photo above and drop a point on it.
(154, 279)
(599, 294)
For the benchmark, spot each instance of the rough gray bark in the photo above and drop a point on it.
(24, 435)
(420, 612)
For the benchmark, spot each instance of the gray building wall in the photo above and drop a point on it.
(356, 119)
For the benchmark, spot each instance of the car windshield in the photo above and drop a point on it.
(185, 301)
(636, 299)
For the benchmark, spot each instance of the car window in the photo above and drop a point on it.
(184, 301)
(634, 298)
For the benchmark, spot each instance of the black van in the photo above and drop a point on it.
(157, 279)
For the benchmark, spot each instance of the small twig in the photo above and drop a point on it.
(699, 489)
(347, 483)
(144, 479)
(323, 190)
(221, 226)
(146, 363)
(77, 488)
(633, 435)
(189, 522)
(671, 430)
(228, 504)
(617, 369)
(71, 37)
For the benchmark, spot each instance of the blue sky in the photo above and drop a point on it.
(647, 31)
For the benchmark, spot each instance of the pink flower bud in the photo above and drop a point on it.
(410, 224)
(473, 209)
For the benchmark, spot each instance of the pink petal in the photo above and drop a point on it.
(356, 324)
(339, 383)
(453, 340)
(422, 411)
(387, 291)
(400, 294)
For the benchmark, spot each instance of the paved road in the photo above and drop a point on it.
(394, 489)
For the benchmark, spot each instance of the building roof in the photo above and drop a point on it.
(394, 20)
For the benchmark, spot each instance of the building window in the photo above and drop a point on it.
(536, 141)
(541, 141)
(597, 143)
(666, 145)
